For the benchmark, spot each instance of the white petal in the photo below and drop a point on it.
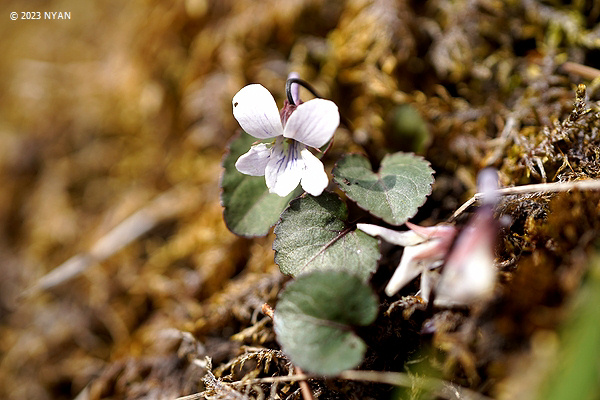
(314, 179)
(439, 231)
(313, 123)
(285, 168)
(405, 238)
(469, 282)
(254, 161)
(408, 270)
(256, 111)
(295, 88)
(487, 184)
(470, 274)
(429, 280)
(414, 261)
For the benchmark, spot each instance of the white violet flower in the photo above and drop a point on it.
(286, 161)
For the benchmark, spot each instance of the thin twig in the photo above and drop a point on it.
(275, 379)
(194, 396)
(304, 388)
(582, 70)
(439, 387)
(462, 208)
(554, 187)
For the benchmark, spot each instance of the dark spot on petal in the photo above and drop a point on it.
(235, 104)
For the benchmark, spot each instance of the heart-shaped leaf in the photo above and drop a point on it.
(313, 235)
(394, 193)
(314, 318)
(250, 210)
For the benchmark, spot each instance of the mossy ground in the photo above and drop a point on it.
(126, 108)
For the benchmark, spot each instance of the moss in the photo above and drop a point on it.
(99, 120)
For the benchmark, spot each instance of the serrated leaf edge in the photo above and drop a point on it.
(432, 173)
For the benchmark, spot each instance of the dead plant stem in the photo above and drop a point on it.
(165, 206)
(441, 388)
(554, 187)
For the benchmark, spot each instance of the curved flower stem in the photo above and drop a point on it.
(298, 81)
(312, 90)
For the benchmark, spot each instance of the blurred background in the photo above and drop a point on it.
(124, 108)
(112, 128)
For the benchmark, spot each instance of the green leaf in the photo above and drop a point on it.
(394, 193)
(250, 210)
(313, 235)
(314, 318)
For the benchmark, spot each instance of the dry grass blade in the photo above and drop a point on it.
(164, 207)
(582, 70)
(554, 187)
(439, 387)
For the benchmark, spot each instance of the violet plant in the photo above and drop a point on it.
(332, 259)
